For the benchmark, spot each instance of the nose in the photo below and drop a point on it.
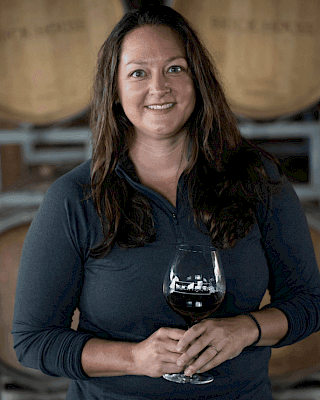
(159, 84)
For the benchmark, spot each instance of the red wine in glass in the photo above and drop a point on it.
(194, 287)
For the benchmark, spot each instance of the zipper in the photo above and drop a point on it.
(175, 219)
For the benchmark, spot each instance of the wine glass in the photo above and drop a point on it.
(194, 286)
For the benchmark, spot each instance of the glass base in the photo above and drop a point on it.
(196, 379)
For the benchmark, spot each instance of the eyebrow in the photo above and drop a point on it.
(140, 62)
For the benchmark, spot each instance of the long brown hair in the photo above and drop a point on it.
(125, 214)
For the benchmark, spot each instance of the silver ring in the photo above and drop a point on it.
(215, 349)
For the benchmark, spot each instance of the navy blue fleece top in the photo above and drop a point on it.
(120, 296)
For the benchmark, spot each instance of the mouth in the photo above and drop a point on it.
(160, 106)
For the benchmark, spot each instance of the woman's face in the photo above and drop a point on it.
(155, 86)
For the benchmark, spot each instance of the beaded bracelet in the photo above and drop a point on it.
(258, 326)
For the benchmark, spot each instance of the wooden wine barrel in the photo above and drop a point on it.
(293, 364)
(268, 52)
(6, 125)
(14, 223)
(10, 165)
(48, 55)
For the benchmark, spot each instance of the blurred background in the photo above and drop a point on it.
(268, 56)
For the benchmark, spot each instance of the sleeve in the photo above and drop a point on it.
(294, 282)
(49, 285)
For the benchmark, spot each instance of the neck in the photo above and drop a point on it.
(159, 164)
(161, 158)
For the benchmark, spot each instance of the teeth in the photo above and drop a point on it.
(160, 107)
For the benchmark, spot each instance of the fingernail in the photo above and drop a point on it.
(180, 363)
(179, 348)
(187, 371)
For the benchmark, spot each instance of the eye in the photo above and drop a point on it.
(139, 73)
(175, 69)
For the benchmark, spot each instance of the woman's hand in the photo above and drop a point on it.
(158, 354)
(213, 341)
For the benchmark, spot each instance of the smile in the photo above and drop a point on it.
(160, 106)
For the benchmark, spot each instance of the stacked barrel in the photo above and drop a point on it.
(268, 55)
(48, 56)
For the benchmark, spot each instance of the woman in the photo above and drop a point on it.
(169, 166)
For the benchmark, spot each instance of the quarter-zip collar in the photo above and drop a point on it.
(125, 169)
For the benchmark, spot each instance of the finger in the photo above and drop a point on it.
(204, 361)
(189, 337)
(171, 358)
(167, 350)
(190, 362)
(194, 350)
(170, 346)
(172, 333)
(217, 360)
(171, 368)
(221, 357)
(200, 365)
